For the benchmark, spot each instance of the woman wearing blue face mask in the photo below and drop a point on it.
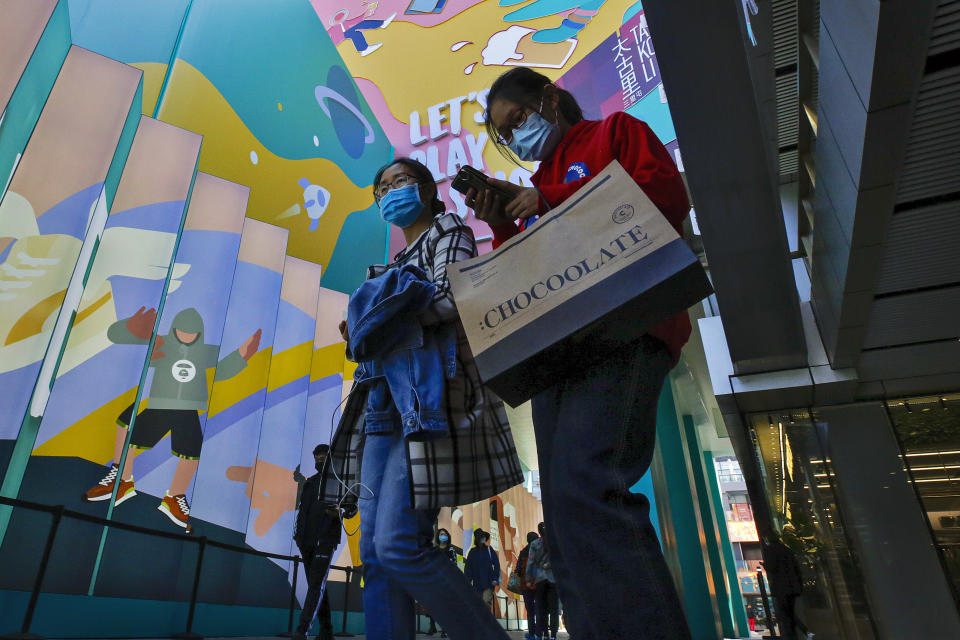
(596, 426)
(406, 480)
(446, 547)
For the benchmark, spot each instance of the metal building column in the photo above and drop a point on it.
(706, 68)
(872, 57)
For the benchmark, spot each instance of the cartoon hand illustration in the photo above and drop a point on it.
(271, 489)
(140, 324)
(250, 346)
(157, 354)
(135, 253)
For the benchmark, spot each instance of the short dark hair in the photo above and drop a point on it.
(420, 172)
(531, 537)
(525, 87)
(321, 448)
(480, 536)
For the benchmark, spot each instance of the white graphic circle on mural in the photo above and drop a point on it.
(183, 371)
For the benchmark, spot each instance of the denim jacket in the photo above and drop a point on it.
(538, 563)
(404, 364)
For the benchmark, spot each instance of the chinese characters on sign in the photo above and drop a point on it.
(634, 50)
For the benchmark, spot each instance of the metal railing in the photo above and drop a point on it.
(59, 512)
(506, 608)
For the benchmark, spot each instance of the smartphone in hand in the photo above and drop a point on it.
(469, 178)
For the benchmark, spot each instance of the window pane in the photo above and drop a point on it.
(812, 548)
(928, 429)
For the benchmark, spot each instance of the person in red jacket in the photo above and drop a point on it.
(596, 426)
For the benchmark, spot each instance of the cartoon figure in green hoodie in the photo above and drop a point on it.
(177, 394)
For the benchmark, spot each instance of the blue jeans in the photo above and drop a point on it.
(400, 563)
(596, 431)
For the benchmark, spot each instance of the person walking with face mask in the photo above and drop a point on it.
(317, 534)
(418, 430)
(595, 427)
(483, 567)
(445, 547)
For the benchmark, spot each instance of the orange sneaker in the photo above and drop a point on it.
(177, 509)
(104, 489)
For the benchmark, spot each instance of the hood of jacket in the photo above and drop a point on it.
(188, 321)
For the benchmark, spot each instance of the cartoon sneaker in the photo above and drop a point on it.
(104, 489)
(177, 509)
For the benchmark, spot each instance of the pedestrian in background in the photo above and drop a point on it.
(443, 544)
(540, 576)
(317, 534)
(529, 593)
(483, 566)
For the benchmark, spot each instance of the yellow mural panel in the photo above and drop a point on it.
(289, 365)
(85, 438)
(242, 385)
(327, 361)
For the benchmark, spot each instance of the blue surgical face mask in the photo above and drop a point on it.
(536, 138)
(402, 206)
(444, 538)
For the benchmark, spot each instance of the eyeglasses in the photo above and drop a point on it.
(516, 120)
(401, 180)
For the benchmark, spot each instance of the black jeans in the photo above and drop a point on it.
(530, 604)
(548, 609)
(316, 565)
(595, 432)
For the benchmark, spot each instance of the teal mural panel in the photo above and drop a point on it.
(149, 34)
(143, 33)
(693, 578)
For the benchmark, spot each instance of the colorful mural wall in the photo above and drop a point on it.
(49, 227)
(450, 51)
(165, 339)
(278, 110)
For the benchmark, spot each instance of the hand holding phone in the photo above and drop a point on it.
(469, 178)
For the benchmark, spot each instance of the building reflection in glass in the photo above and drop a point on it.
(816, 570)
(928, 429)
